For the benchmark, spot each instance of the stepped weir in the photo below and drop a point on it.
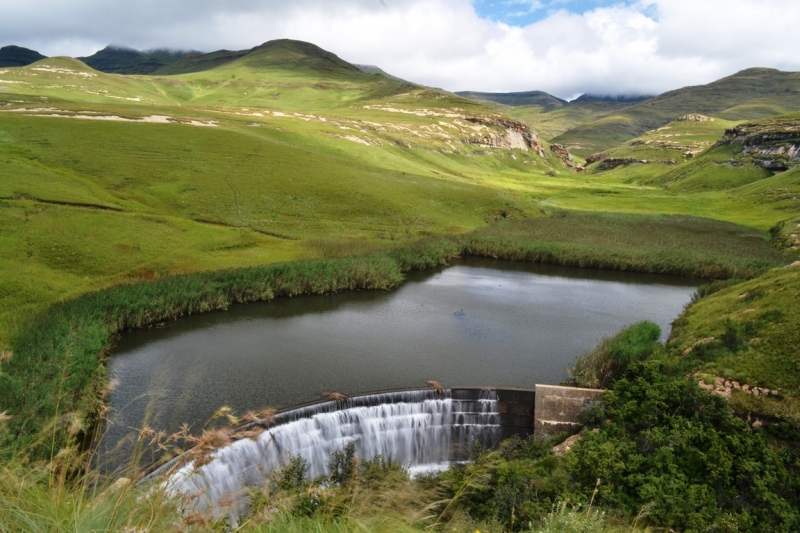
(423, 429)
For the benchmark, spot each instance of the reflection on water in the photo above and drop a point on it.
(480, 322)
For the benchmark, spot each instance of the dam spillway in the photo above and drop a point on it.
(422, 429)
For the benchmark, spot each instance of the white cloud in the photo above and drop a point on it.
(649, 47)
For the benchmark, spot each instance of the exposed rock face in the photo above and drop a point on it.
(772, 145)
(695, 117)
(565, 157)
(560, 449)
(517, 136)
(724, 387)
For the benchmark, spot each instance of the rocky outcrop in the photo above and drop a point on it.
(774, 145)
(723, 387)
(565, 157)
(517, 136)
(695, 117)
(594, 158)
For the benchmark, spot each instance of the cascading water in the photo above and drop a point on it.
(422, 429)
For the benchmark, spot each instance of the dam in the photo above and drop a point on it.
(423, 429)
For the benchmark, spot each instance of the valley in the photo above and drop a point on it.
(176, 183)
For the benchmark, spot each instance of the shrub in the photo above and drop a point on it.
(599, 367)
(343, 464)
(668, 444)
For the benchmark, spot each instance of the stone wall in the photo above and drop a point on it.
(557, 408)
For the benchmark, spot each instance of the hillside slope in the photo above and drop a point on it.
(746, 153)
(554, 122)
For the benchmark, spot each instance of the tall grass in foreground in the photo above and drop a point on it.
(56, 378)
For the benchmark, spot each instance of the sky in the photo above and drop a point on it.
(563, 47)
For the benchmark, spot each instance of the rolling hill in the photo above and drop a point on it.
(583, 110)
(749, 94)
(278, 154)
(746, 154)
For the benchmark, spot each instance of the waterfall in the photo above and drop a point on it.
(419, 429)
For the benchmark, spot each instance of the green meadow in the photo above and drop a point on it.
(130, 200)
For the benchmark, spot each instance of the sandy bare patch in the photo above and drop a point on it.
(203, 123)
(34, 110)
(137, 99)
(83, 115)
(356, 139)
(157, 119)
(59, 70)
(423, 112)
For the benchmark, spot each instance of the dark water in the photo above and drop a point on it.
(480, 322)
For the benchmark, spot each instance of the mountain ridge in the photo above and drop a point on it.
(18, 56)
(118, 59)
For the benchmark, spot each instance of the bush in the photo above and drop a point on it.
(292, 475)
(670, 445)
(343, 464)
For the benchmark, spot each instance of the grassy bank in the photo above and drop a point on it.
(56, 372)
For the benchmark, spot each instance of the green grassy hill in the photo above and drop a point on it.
(747, 153)
(551, 124)
(659, 151)
(113, 178)
(282, 152)
(749, 94)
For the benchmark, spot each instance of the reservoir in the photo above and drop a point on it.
(478, 322)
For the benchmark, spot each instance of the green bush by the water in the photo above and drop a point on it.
(664, 444)
(597, 368)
